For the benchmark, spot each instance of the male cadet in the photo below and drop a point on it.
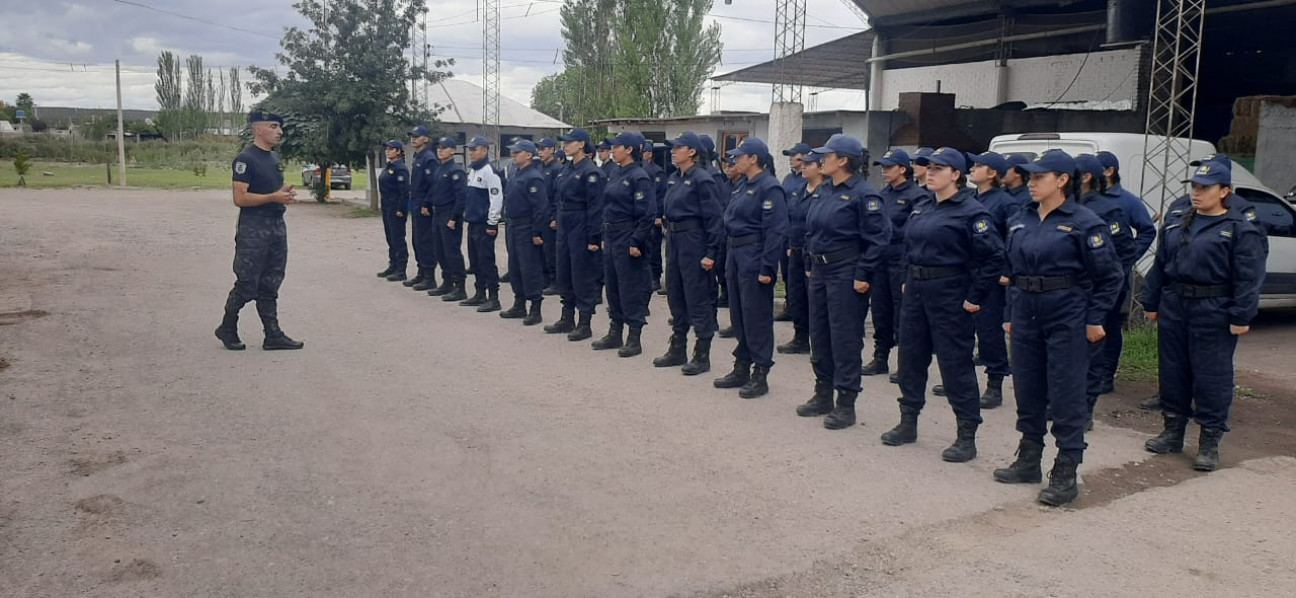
(261, 241)
(483, 213)
(449, 192)
(550, 166)
(425, 252)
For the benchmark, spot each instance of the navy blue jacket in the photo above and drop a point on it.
(956, 232)
(1180, 208)
(1070, 241)
(394, 187)
(579, 187)
(849, 215)
(798, 205)
(422, 173)
(693, 195)
(658, 176)
(1021, 194)
(759, 206)
(1002, 207)
(631, 196)
(1223, 250)
(899, 203)
(527, 196)
(1121, 233)
(1139, 218)
(450, 189)
(551, 171)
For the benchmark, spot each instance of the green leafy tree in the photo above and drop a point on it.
(169, 92)
(22, 165)
(195, 98)
(26, 103)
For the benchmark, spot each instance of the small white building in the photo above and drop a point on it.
(462, 116)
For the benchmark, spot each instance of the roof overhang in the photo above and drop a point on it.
(838, 64)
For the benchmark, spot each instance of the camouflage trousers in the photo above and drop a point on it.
(260, 258)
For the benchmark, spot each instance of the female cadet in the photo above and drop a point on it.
(724, 190)
(1203, 290)
(692, 226)
(920, 166)
(795, 305)
(987, 175)
(394, 188)
(1064, 277)
(1015, 179)
(847, 235)
(955, 257)
(629, 205)
(898, 198)
(755, 221)
(580, 214)
(527, 198)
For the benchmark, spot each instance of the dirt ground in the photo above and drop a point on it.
(415, 448)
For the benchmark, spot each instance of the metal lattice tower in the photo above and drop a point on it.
(419, 52)
(1172, 99)
(491, 68)
(789, 39)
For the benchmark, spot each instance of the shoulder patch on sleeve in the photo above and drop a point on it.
(240, 167)
(639, 195)
(534, 189)
(1115, 228)
(981, 226)
(768, 205)
(455, 177)
(874, 205)
(1096, 240)
(593, 178)
(494, 191)
(1250, 215)
(1226, 233)
(400, 178)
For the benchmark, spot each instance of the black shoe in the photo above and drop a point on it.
(701, 361)
(722, 301)
(757, 385)
(726, 332)
(1152, 403)
(878, 366)
(505, 276)
(517, 311)
(656, 284)
(230, 338)
(478, 299)
(894, 378)
(821, 403)
(492, 302)
(1208, 456)
(535, 317)
(418, 279)
(977, 361)
(278, 341)
(1062, 482)
(550, 291)
(906, 431)
(939, 390)
(456, 294)
(632, 346)
(566, 322)
(611, 340)
(583, 330)
(396, 276)
(676, 352)
(737, 378)
(429, 283)
(964, 447)
(797, 346)
(390, 269)
(1108, 386)
(1171, 439)
(843, 416)
(1026, 469)
(445, 288)
(661, 291)
(993, 395)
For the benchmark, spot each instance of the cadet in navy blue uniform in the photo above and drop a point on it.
(579, 194)
(628, 207)
(1064, 278)
(795, 303)
(1015, 179)
(898, 199)
(394, 191)
(955, 258)
(551, 166)
(1145, 232)
(421, 178)
(987, 175)
(1202, 291)
(920, 165)
(261, 241)
(482, 213)
(527, 196)
(606, 164)
(449, 193)
(692, 226)
(756, 222)
(727, 185)
(658, 176)
(847, 235)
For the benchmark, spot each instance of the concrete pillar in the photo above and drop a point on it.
(875, 76)
(784, 132)
(1275, 145)
(1001, 83)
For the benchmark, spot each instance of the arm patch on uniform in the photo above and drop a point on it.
(593, 178)
(240, 167)
(533, 189)
(494, 191)
(639, 194)
(455, 177)
(768, 205)
(981, 226)
(1096, 241)
(874, 205)
(400, 178)
(1250, 215)
(1115, 228)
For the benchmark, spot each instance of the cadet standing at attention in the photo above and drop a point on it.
(579, 193)
(261, 240)
(899, 198)
(551, 166)
(1145, 232)
(394, 191)
(627, 237)
(449, 193)
(527, 198)
(482, 213)
(658, 176)
(794, 277)
(991, 344)
(605, 157)
(1015, 179)
(793, 187)
(421, 179)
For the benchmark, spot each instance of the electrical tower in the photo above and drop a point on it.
(491, 69)
(789, 39)
(419, 52)
(1172, 99)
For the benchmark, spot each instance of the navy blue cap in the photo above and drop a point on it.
(1089, 164)
(995, 161)
(893, 157)
(800, 148)
(1212, 173)
(574, 135)
(1016, 159)
(947, 156)
(813, 157)
(606, 144)
(842, 145)
(1054, 160)
(690, 139)
(1108, 159)
(750, 146)
(420, 131)
(396, 144)
(923, 152)
(478, 141)
(264, 116)
(1219, 158)
(546, 142)
(708, 144)
(449, 142)
(627, 139)
(524, 145)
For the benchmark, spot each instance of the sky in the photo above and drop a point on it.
(62, 51)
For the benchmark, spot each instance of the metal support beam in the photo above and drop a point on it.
(491, 69)
(1172, 99)
(419, 52)
(789, 39)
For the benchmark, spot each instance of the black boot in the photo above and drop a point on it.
(757, 385)
(535, 316)
(611, 340)
(397, 276)
(879, 364)
(844, 415)
(993, 396)
(676, 352)
(784, 315)
(566, 323)
(385, 273)
(737, 378)
(517, 311)
(964, 447)
(419, 277)
(1152, 403)
(1108, 386)
(632, 346)
(906, 431)
(1062, 482)
(821, 403)
(228, 333)
(1171, 439)
(429, 282)
(492, 301)
(894, 378)
(551, 290)
(445, 288)
(456, 293)
(939, 390)
(799, 344)
(276, 340)
(582, 330)
(1208, 456)
(701, 361)
(505, 277)
(1026, 469)
(478, 299)
(726, 332)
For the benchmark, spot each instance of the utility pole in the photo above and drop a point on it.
(121, 134)
(491, 69)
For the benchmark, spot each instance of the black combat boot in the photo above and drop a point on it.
(906, 431)
(456, 293)
(1171, 439)
(757, 385)
(478, 299)
(419, 277)
(228, 332)
(737, 378)
(843, 416)
(726, 332)
(939, 390)
(611, 340)
(879, 365)
(582, 330)
(993, 395)
(1108, 386)
(894, 378)
(551, 290)
(1152, 403)
(276, 340)
(701, 361)
(964, 447)
(1062, 482)
(566, 322)
(517, 311)
(429, 282)
(535, 316)
(390, 269)
(632, 346)
(799, 344)
(397, 276)
(492, 301)
(445, 287)
(676, 352)
(1026, 469)
(1208, 456)
(784, 315)
(821, 403)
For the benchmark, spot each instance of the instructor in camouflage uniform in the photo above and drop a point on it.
(261, 242)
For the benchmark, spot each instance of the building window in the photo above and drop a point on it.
(731, 140)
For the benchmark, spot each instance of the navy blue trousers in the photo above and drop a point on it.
(394, 230)
(550, 250)
(526, 261)
(425, 243)
(751, 306)
(481, 254)
(578, 267)
(885, 296)
(798, 297)
(690, 290)
(1196, 358)
(990, 333)
(449, 245)
(836, 321)
(655, 252)
(1049, 366)
(629, 285)
(933, 321)
(1115, 327)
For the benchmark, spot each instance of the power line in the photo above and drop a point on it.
(193, 18)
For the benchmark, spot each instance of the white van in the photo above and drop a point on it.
(1280, 281)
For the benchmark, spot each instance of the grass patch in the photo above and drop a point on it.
(1140, 359)
(73, 175)
(363, 213)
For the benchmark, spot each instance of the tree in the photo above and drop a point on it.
(195, 98)
(26, 103)
(168, 90)
(22, 165)
(236, 93)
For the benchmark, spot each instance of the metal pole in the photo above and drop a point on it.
(121, 134)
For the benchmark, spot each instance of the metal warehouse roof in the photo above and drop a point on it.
(463, 101)
(837, 64)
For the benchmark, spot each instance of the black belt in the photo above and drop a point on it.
(571, 207)
(616, 226)
(934, 272)
(1044, 284)
(832, 257)
(683, 225)
(1201, 291)
(745, 240)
